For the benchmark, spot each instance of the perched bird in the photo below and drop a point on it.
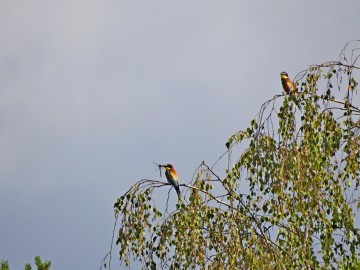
(288, 85)
(172, 177)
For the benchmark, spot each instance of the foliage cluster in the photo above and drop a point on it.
(290, 200)
(40, 265)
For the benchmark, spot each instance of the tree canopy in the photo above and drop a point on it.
(40, 265)
(288, 197)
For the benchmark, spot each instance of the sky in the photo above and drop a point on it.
(93, 92)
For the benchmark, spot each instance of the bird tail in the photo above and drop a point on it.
(177, 191)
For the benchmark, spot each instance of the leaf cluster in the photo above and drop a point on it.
(40, 265)
(289, 200)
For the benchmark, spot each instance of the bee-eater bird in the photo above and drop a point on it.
(172, 177)
(287, 84)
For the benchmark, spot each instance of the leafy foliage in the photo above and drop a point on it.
(4, 265)
(39, 265)
(289, 201)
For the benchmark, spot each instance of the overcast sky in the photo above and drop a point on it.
(92, 92)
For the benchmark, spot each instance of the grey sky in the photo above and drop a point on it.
(92, 92)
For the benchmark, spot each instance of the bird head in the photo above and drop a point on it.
(168, 166)
(284, 75)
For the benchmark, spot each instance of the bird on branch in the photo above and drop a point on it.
(171, 176)
(287, 84)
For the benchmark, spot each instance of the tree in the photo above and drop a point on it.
(39, 265)
(289, 200)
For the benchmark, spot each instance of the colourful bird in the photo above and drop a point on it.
(288, 85)
(172, 177)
